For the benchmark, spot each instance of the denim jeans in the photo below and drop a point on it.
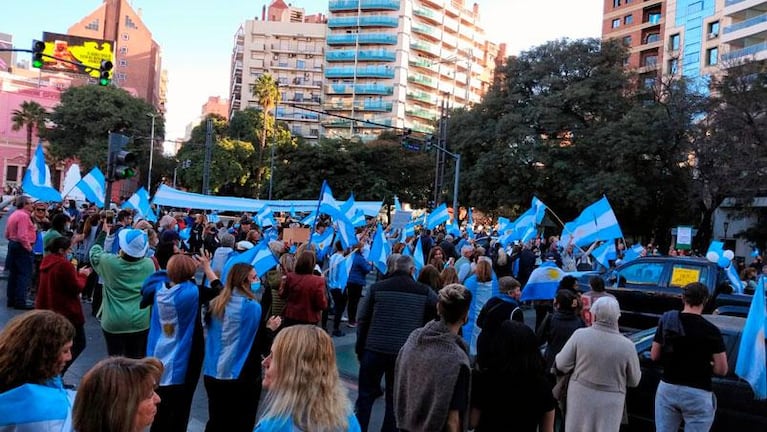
(674, 403)
(20, 266)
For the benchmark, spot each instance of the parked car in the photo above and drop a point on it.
(649, 286)
(737, 410)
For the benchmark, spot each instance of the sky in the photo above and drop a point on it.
(196, 36)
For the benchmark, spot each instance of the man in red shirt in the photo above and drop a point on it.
(21, 235)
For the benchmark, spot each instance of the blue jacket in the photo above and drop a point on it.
(360, 269)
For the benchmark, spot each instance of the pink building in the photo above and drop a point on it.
(14, 90)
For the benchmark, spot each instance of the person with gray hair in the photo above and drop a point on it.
(603, 363)
(222, 253)
(391, 264)
(391, 310)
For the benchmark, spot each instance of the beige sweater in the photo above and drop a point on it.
(600, 358)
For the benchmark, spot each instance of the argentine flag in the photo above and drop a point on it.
(327, 203)
(342, 270)
(264, 217)
(604, 253)
(37, 179)
(345, 231)
(309, 220)
(596, 222)
(260, 257)
(92, 186)
(322, 242)
(418, 256)
(543, 282)
(452, 228)
(633, 253)
(470, 225)
(751, 354)
(397, 205)
(379, 250)
(139, 201)
(437, 217)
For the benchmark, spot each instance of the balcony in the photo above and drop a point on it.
(360, 89)
(364, 21)
(295, 48)
(428, 14)
(424, 30)
(339, 123)
(301, 82)
(423, 80)
(353, 5)
(746, 23)
(422, 97)
(421, 62)
(362, 72)
(363, 55)
(364, 39)
(421, 113)
(425, 47)
(753, 50)
(369, 105)
(305, 100)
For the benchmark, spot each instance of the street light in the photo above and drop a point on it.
(725, 225)
(151, 153)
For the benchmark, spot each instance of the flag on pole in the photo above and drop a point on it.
(37, 179)
(633, 253)
(543, 282)
(418, 255)
(397, 205)
(596, 222)
(322, 242)
(139, 201)
(345, 231)
(93, 186)
(379, 250)
(437, 217)
(604, 253)
(327, 203)
(264, 217)
(260, 257)
(751, 354)
(470, 225)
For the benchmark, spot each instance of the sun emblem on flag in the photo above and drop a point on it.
(168, 329)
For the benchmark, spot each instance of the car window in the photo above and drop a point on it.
(685, 273)
(640, 274)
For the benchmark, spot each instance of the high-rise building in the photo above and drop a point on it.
(137, 55)
(744, 33)
(393, 63)
(292, 52)
(215, 105)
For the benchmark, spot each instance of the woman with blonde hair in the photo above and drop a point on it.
(34, 348)
(233, 350)
(304, 389)
(483, 285)
(118, 395)
(448, 276)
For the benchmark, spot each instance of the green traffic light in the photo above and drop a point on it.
(37, 63)
(103, 82)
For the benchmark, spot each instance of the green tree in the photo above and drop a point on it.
(31, 116)
(86, 115)
(267, 93)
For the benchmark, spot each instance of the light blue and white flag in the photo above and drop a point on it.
(293, 211)
(755, 252)
(345, 231)
(260, 257)
(470, 225)
(418, 256)
(437, 217)
(322, 242)
(543, 282)
(604, 253)
(93, 186)
(633, 253)
(265, 217)
(379, 250)
(139, 201)
(397, 205)
(271, 233)
(751, 354)
(328, 204)
(358, 220)
(309, 220)
(37, 179)
(453, 229)
(213, 217)
(734, 278)
(344, 269)
(596, 222)
(407, 231)
(504, 225)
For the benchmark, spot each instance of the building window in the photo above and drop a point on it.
(255, 73)
(94, 25)
(673, 42)
(712, 56)
(652, 38)
(123, 50)
(673, 66)
(627, 41)
(628, 19)
(125, 36)
(649, 82)
(616, 23)
(123, 62)
(713, 30)
(617, 3)
(653, 18)
(300, 64)
(129, 23)
(11, 173)
(650, 60)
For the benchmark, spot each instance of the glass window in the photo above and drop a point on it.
(627, 41)
(628, 19)
(617, 3)
(650, 60)
(713, 29)
(123, 62)
(654, 18)
(641, 273)
(616, 23)
(712, 56)
(300, 64)
(125, 36)
(674, 42)
(123, 50)
(673, 66)
(11, 173)
(652, 37)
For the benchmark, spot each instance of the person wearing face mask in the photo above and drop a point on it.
(59, 290)
(176, 335)
(232, 365)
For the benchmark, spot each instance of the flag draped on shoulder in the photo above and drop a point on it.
(543, 282)
(93, 186)
(437, 217)
(37, 179)
(751, 354)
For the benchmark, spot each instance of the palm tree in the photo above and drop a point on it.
(266, 90)
(31, 115)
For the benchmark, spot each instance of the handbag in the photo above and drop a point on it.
(559, 391)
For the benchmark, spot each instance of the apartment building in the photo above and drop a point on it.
(744, 34)
(292, 52)
(137, 66)
(391, 63)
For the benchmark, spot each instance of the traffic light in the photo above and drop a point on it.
(428, 142)
(122, 163)
(409, 142)
(37, 53)
(105, 74)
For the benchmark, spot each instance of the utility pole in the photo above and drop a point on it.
(208, 150)
(151, 153)
(439, 169)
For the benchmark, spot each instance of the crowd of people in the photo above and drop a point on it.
(173, 304)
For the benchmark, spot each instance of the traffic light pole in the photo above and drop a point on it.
(457, 158)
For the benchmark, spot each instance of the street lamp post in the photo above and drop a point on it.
(271, 162)
(725, 225)
(151, 153)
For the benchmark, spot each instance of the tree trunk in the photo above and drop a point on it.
(259, 167)
(29, 143)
